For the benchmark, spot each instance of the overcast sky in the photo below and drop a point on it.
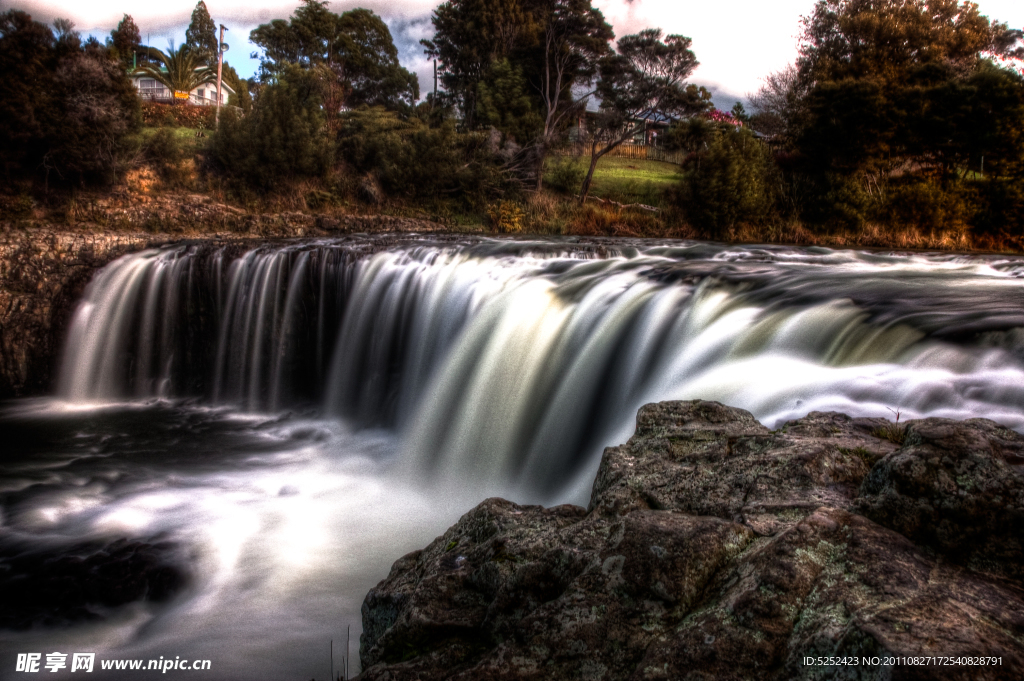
(738, 42)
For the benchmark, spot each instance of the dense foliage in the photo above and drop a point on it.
(201, 35)
(729, 179)
(284, 138)
(66, 107)
(355, 45)
(897, 113)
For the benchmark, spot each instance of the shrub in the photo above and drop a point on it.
(179, 115)
(66, 108)
(283, 136)
(830, 200)
(409, 159)
(506, 216)
(921, 203)
(566, 175)
(998, 207)
(730, 182)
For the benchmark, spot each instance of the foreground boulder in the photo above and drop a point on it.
(714, 548)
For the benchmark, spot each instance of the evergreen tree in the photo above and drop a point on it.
(201, 36)
(126, 41)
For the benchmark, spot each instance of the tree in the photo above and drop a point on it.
(27, 59)
(284, 135)
(126, 41)
(65, 108)
(181, 70)
(777, 103)
(730, 180)
(576, 38)
(645, 79)
(201, 35)
(551, 49)
(887, 39)
(888, 83)
(471, 35)
(242, 97)
(504, 101)
(356, 45)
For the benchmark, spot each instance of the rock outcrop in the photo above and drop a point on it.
(714, 548)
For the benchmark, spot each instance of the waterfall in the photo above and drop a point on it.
(518, 361)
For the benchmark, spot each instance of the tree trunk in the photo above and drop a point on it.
(542, 154)
(594, 158)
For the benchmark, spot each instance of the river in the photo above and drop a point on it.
(279, 423)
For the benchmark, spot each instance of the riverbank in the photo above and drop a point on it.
(712, 547)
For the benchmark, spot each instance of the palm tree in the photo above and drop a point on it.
(181, 70)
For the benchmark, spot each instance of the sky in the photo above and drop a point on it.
(738, 42)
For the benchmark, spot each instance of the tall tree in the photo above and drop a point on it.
(646, 79)
(470, 36)
(126, 41)
(776, 104)
(201, 35)
(887, 81)
(356, 45)
(576, 37)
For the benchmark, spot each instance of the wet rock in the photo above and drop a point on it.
(63, 585)
(714, 548)
(956, 488)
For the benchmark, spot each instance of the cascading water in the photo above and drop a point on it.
(308, 393)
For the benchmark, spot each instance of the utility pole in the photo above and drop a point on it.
(221, 48)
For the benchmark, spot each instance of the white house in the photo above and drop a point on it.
(152, 90)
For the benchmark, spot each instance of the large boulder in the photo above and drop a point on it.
(713, 548)
(955, 488)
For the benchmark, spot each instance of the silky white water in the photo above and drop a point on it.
(295, 417)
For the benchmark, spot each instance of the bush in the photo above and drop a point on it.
(566, 175)
(409, 159)
(284, 136)
(731, 182)
(165, 151)
(179, 115)
(66, 108)
(830, 200)
(998, 207)
(506, 216)
(921, 203)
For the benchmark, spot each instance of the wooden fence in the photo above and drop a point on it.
(627, 150)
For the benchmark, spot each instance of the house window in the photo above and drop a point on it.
(148, 83)
(202, 93)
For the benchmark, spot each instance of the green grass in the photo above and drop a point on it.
(185, 137)
(627, 180)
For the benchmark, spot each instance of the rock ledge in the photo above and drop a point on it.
(714, 548)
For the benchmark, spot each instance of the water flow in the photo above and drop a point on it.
(485, 367)
(514, 363)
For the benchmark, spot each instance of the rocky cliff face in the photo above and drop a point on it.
(714, 548)
(42, 273)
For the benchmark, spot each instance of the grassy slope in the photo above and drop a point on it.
(626, 179)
